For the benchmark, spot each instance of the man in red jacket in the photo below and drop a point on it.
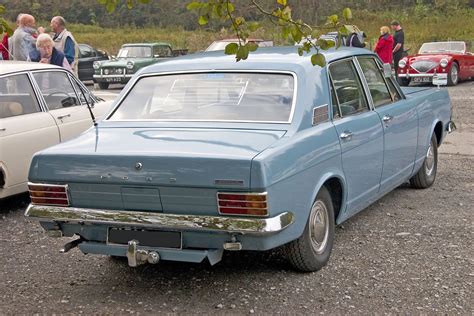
(385, 45)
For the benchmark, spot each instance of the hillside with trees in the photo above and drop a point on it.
(173, 12)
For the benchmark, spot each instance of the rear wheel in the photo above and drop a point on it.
(426, 176)
(453, 75)
(311, 251)
(404, 81)
(103, 85)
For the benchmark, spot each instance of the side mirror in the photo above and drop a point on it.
(387, 70)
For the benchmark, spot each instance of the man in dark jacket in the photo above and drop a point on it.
(356, 40)
(398, 43)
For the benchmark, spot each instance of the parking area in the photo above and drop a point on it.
(410, 252)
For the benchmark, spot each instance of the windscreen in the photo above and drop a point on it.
(134, 52)
(218, 45)
(443, 47)
(259, 97)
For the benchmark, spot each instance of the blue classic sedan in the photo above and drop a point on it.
(202, 154)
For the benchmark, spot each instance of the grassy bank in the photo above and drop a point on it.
(433, 27)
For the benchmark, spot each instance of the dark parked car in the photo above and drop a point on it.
(87, 56)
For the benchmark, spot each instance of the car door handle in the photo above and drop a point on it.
(387, 118)
(346, 135)
(3, 129)
(63, 116)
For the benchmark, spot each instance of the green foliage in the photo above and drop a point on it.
(4, 26)
(281, 16)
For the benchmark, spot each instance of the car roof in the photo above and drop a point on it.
(273, 58)
(147, 44)
(236, 40)
(10, 66)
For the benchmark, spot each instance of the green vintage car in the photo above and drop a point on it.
(129, 60)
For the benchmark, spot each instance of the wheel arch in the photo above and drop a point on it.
(438, 131)
(336, 185)
(3, 176)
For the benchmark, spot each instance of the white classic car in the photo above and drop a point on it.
(40, 105)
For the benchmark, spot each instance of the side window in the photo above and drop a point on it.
(335, 104)
(161, 51)
(376, 82)
(79, 90)
(393, 90)
(17, 96)
(56, 89)
(86, 51)
(348, 88)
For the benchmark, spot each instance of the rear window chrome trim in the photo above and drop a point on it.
(134, 81)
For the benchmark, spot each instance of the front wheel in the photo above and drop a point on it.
(311, 251)
(426, 176)
(104, 85)
(453, 75)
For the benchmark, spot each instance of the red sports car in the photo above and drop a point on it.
(450, 59)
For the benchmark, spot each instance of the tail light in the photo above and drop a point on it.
(48, 194)
(252, 204)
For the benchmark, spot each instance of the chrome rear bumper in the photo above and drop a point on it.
(233, 225)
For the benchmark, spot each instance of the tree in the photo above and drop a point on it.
(280, 16)
(4, 26)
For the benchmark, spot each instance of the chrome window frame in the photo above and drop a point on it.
(54, 70)
(134, 81)
(358, 75)
(367, 84)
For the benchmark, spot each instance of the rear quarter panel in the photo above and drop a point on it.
(433, 106)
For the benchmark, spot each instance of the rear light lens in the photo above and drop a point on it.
(252, 204)
(48, 194)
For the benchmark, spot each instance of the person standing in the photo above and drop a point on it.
(65, 42)
(384, 45)
(23, 41)
(4, 52)
(398, 43)
(356, 39)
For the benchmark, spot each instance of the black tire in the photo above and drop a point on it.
(404, 81)
(104, 85)
(453, 75)
(425, 177)
(301, 252)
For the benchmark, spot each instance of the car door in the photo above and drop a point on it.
(24, 129)
(361, 135)
(400, 124)
(87, 56)
(63, 104)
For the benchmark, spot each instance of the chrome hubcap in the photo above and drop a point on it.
(319, 227)
(429, 161)
(454, 74)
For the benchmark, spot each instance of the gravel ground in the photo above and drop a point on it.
(410, 252)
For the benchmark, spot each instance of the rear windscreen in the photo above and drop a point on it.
(262, 97)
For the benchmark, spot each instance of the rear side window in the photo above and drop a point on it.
(376, 82)
(348, 88)
(17, 96)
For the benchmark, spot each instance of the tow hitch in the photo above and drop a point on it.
(70, 245)
(138, 257)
